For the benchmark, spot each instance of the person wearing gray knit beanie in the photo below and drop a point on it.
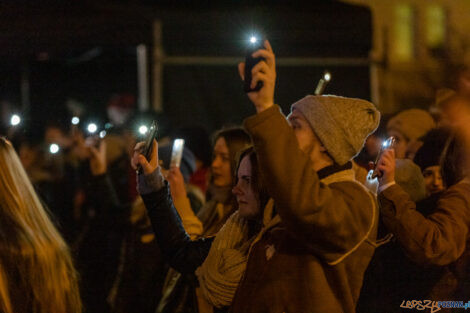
(341, 124)
(317, 245)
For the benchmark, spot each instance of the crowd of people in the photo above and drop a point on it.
(285, 216)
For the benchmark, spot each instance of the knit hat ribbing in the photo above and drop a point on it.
(342, 124)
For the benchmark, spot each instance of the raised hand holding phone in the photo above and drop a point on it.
(387, 144)
(264, 71)
(386, 166)
(148, 165)
(146, 148)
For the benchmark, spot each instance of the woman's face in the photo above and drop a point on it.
(221, 171)
(433, 179)
(247, 198)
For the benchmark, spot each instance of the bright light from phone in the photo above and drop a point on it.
(385, 144)
(75, 120)
(92, 128)
(327, 76)
(102, 134)
(54, 148)
(143, 129)
(253, 39)
(15, 120)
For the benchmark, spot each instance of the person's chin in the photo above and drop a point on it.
(244, 212)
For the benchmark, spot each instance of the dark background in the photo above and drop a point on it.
(87, 52)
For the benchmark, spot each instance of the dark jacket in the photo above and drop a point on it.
(179, 251)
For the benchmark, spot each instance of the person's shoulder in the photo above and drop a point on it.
(353, 190)
(461, 189)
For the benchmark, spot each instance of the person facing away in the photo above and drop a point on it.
(312, 255)
(36, 269)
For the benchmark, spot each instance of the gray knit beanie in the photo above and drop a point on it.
(342, 124)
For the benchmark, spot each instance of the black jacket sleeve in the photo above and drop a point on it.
(180, 252)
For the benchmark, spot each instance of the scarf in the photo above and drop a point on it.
(225, 265)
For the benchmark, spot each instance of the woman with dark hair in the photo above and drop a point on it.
(36, 269)
(435, 239)
(218, 262)
(179, 289)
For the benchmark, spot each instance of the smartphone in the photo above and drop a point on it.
(177, 152)
(147, 149)
(387, 144)
(254, 45)
(152, 133)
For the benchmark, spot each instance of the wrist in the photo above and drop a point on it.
(263, 106)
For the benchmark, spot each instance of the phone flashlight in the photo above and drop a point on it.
(15, 120)
(92, 128)
(54, 148)
(322, 83)
(143, 129)
(75, 120)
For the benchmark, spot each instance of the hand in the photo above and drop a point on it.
(264, 71)
(386, 167)
(139, 159)
(98, 159)
(176, 180)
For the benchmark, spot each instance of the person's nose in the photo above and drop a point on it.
(216, 162)
(236, 190)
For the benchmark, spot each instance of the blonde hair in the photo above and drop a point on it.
(36, 269)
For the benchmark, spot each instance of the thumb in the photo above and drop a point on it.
(241, 70)
(145, 164)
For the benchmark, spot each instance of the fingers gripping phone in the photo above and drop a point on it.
(147, 149)
(254, 45)
(177, 152)
(387, 144)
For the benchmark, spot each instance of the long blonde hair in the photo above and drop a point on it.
(36, 269)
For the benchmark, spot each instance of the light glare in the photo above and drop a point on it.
(15, 120)
(102, 134)
(75, 120)
(253, 39)
(54, 148)
(143, 129)
(92, 128)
